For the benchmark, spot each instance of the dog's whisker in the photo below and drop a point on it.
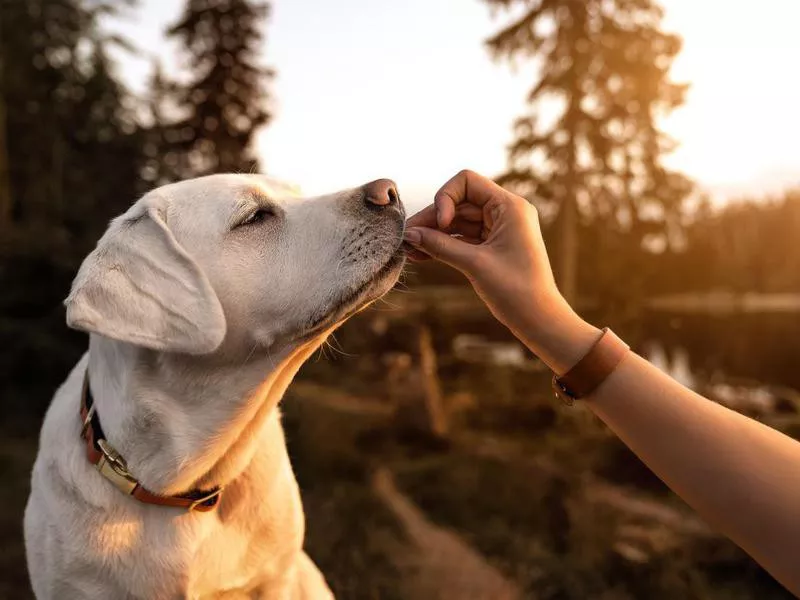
(339, 349)
(387, 309)
(250, 355)
(385, 301)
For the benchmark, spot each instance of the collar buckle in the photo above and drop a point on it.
(112, 465)
(114, 468)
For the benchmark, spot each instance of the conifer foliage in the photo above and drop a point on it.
(224, 100)
(590, 148)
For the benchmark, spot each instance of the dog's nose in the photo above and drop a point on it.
(381, 193)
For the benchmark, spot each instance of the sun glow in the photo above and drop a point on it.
(741, 122)
(369, 107)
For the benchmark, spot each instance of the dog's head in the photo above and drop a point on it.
(239, 259)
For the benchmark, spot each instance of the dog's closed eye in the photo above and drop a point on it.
(257, 216)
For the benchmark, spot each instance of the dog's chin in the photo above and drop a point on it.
(376, 286)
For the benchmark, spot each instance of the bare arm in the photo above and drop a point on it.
(740, 475)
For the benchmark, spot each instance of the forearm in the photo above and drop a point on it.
(741, 476)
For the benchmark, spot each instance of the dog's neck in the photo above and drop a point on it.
(182, 425)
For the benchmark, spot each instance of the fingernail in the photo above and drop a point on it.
(412, 236)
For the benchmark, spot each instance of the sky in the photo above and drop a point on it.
(372, 88)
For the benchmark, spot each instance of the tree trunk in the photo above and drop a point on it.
(567, 275)
(568, 252)
(6, 208)
(57, 178)
(434, 405)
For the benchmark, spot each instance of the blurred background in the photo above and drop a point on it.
(658, 139)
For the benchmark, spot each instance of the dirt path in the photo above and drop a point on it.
(445, 566)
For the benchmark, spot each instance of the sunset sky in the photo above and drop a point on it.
(406, 90)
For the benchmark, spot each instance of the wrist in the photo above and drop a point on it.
(558, 335)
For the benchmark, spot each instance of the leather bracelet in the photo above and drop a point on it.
(592, 370)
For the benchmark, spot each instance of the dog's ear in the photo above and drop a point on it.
(140, 286)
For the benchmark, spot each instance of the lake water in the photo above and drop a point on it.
(763, 347)
(696, 338)
(757, 347)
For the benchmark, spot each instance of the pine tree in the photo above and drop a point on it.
(105, 154)
(603, 71)
(73, 155)
(225, 100)
(160, 163)
(40, 80)
(6, 206)
(69, 129)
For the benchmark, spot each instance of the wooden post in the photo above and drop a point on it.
(434, 405)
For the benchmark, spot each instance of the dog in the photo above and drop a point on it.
(162, 470)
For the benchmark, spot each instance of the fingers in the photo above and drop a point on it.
(466, 187)
(467, 225)
(424, 218)
(419, 256)
(471, 240)
(469, 212)
(427, 216)
(466, 207)
(415, 255)
(441, 246)
(465, 228)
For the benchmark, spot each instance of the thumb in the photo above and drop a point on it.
(441, 246)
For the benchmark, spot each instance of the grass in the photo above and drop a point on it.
(350, 535)
(352, 538)
(532, 522)
(539, 530)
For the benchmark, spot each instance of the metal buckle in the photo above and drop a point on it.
(114, 468)
(562, 393)
(196, 503)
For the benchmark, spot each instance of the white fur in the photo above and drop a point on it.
(197, 328)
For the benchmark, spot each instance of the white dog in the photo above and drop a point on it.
(202, 302)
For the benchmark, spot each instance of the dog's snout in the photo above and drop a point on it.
(381, 193)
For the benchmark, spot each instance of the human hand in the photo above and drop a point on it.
(501, 251)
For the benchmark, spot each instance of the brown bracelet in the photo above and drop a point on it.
(592, 370)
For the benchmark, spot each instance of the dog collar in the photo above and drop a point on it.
(114, 468)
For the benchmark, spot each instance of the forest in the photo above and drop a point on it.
(77, 147)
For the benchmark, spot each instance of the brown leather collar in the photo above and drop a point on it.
(113, 467)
